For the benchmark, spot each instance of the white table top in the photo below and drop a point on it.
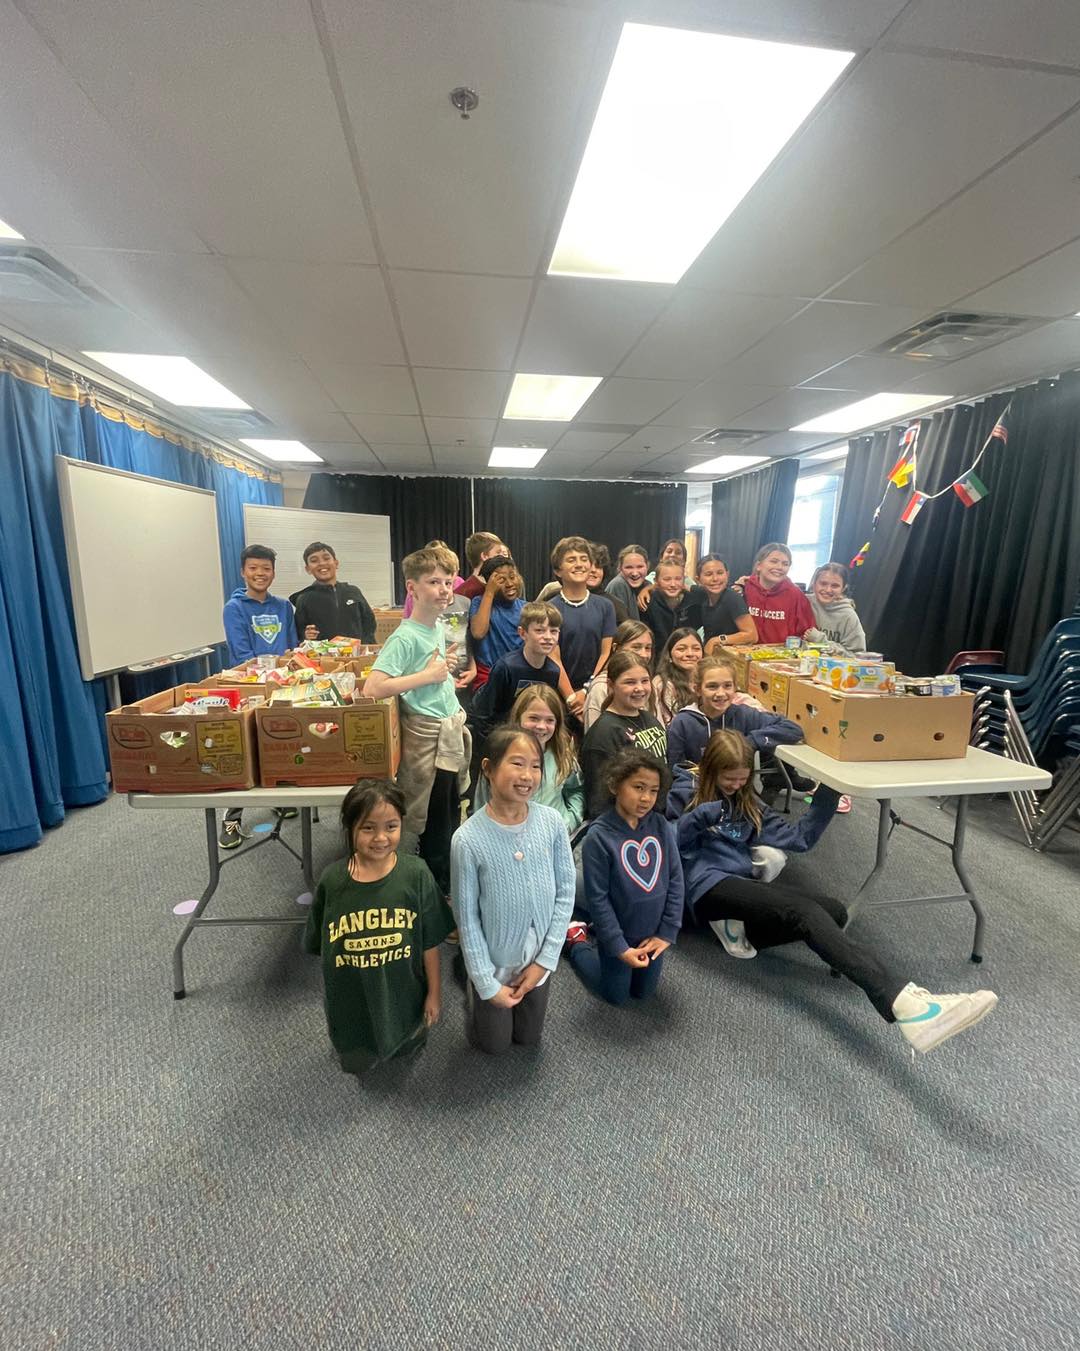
(246, 797)
(978, 772)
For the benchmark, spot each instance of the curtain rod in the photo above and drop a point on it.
(62, 364)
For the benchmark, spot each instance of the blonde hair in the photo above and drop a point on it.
(450, 559)
(727, 750)
(424, 562)
(561, 744)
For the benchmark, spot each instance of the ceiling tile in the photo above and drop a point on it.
(462, 393)
(655, 439)
(900, 134)
(389, 431)
(871, 374)
(700, 331)
(448, 430)
(340, 455)
(227, 111)
(461, 459)
(470, 323)
(986, 232)
(1050, 287)
(716, 402)
(584, 327)
(324, 311)
(357, 388)
(792, 406)
(582, 443)
(330, 428)
(1047, 31)
(476, 195)
(519, 432)
(81, 328)
(619, 400)
(405, 459)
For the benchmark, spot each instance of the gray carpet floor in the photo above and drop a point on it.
(751, 1161)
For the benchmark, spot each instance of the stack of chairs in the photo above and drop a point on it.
(1035, 719)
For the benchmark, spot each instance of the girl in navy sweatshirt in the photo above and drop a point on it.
(722, 826)
(718, 707)
(633, 886)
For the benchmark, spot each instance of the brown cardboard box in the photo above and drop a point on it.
(740, 660)
(770, 684)
(386, 621)
(296, 747)
(881, 726)
(218, 750)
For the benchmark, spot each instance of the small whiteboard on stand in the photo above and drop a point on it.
(144, 563)
(362, 545)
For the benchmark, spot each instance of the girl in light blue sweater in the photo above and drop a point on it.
(512, 890)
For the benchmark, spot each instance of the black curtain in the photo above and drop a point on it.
(998, 574)
(752, 510)
(531, 515)
(420, 509)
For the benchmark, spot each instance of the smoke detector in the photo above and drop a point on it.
(465, 100)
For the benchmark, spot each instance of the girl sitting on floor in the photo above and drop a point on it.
(633, 886)
(539, 710)
(512, 883)
(719, 704)
(633, 636)
(377, 1009)
(673, 684)
(722, 826)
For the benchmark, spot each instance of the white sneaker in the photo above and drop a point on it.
(732, 933)
(927, 1020)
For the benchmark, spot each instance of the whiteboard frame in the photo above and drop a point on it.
(65, 465)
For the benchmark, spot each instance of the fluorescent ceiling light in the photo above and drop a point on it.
(726, 464)
(869, 412)
(687, 124)
(291, 452)
(515, 457)
(549, 398)
(174, 378)
(835, 453)
(7, 232)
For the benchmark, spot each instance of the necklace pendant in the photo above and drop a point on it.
(518, 855)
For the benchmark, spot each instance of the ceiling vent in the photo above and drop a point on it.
(953, 334)
(729, 436)
(236, 422)
(30, 277)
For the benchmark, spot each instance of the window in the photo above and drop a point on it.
(813, 516)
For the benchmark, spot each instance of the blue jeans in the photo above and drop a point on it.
(611, 978)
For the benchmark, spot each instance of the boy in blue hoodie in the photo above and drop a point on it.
(633, 886)
(256, 624)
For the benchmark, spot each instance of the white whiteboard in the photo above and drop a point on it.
(362, 544)
(144, 563)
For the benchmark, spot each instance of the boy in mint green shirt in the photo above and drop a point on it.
(416, 665)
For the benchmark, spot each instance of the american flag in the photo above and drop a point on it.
(1000, 430)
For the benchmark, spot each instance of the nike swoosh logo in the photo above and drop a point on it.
(931, 1012)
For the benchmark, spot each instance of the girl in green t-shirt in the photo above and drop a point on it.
(377, 921)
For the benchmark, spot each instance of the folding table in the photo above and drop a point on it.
(306, 799)
(884, 780)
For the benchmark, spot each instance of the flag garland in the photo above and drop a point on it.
(970, 489)
(913, 507)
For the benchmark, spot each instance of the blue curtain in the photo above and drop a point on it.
(52, 720)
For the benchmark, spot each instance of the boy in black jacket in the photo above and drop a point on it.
(329, 608)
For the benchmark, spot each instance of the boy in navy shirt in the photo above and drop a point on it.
(588, 621)
(531, 665)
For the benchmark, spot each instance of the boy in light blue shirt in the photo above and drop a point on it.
(435, 745)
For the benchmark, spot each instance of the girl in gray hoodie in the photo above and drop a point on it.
(834, 610)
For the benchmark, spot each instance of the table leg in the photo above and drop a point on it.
(959, 834)
(884, 830)
(305, 850)
(214, 862)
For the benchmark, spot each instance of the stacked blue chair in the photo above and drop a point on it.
(1035, 718)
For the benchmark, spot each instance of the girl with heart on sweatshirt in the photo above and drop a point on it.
(633, 886)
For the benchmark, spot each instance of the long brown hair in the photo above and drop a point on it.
(620, 663)
(560, 745)
(728, 750)
(675, 687)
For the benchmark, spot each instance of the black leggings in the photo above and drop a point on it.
(775, 913)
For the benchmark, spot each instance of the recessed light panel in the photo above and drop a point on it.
(726, 464)
(287, 452)
(174, 378)
(9, 232)
(515, 457)
(687, 124)
(878, 408)
(549, 398)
